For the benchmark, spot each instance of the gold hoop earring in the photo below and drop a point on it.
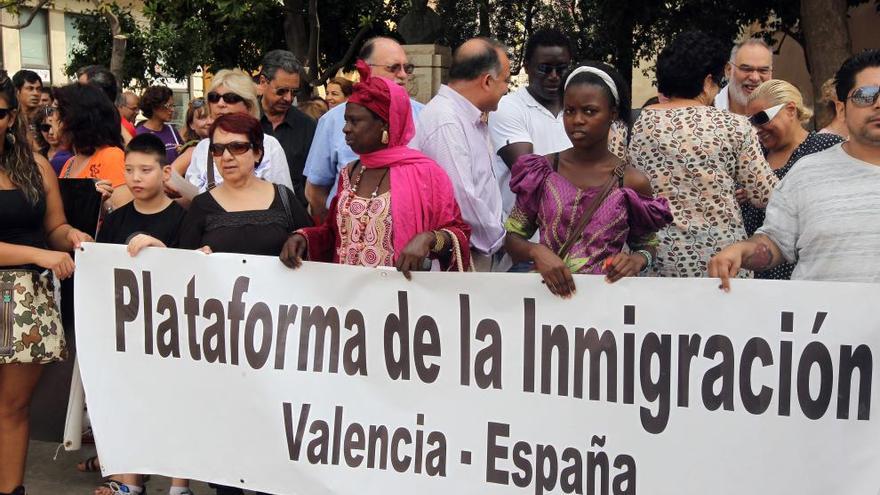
(384, 136)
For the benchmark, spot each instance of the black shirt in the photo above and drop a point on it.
(295, 133)
(165, 225)
(244, 232)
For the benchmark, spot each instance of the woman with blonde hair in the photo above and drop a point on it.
(778, 114)
(234, 91)
(832, 120)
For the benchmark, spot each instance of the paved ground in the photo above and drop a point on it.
(46, 476)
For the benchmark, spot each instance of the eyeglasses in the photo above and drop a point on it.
(763, 71)
(547, 69)
(394, 69)
(230, 98)
(168, 106)
(284, 91)
(4, 112)
(235, 148)
(865, 96)
(765, 116)
(44, 127)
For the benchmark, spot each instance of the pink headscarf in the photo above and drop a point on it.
(401, 127)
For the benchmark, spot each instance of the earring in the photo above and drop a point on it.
(10, 137)
(385, 136)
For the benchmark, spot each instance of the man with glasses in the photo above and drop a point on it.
(452, 130)
(329, 153)
(128, 107)
(823, 216)
(529, 120)
(751, 63)
(279, 81)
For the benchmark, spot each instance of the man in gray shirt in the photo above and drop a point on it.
(824, 214)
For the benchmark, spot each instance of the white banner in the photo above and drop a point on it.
(333, 379)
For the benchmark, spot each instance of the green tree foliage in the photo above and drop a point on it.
(95, 45)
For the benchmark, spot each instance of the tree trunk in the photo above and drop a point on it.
(314, 40)
(117, 52)
(826, 36)
(295, 33)
(485, 28)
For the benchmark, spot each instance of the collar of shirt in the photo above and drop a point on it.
(531, 102)
(722, 100)
(471, 113)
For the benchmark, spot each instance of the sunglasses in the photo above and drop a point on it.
(394, 69)
(197, 103)
(230, 98)
(235, 148)
(764, 116)
(865, 96)
(284, 91)
(547, 69)
(4, 112)
(44, 127)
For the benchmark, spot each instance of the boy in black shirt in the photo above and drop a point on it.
(152, 219)
(151, 213)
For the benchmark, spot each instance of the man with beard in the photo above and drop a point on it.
(279, 82)
(823, 216)
(529, 120)
(751, 63)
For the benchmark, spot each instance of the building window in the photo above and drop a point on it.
(35, 41)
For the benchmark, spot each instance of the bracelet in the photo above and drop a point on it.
(648, 258)
(439, 242)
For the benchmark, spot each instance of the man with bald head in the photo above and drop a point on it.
(751, 63)
(452, 130)
(329, 153)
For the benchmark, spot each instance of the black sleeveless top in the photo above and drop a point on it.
(20, 221)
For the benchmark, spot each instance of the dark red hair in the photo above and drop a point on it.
(240, 123)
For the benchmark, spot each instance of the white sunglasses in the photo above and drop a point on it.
(764, 116)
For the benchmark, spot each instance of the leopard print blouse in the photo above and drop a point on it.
(695, 157)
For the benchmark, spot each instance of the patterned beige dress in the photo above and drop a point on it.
(696, 157)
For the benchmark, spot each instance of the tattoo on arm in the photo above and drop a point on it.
(761, 259)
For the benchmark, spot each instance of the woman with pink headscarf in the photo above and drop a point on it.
(394, 205)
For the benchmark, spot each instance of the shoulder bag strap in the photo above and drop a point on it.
(285, 201)
(578, 231)
(212, 182)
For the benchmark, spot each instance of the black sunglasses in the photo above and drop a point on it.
(44, 127)
(235, 148)
(230, 98)
(4, 112)
(547, 69)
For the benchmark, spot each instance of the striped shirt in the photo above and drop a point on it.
(824, 216)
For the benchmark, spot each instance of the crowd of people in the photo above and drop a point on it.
(559, 177)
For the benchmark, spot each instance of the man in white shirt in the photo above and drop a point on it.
(529, 120)
(751, 63)
(453, 132)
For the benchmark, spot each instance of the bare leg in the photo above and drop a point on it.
(17, 383)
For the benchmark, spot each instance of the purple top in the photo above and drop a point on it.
(60, 158)
(548, 202)
(168, 135)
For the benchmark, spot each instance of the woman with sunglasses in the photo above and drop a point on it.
(157, 105)
(778, 114)
(394, 206)
(244, 213)
(233, 91)
(198, 123)
(47, 139)
(695, 154)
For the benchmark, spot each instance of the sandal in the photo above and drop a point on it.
(115, 488)
(90, 465)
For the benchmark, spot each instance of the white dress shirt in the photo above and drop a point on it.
(452, 133)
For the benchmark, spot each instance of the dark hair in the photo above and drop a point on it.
(25, 76)
(38, 119)
(279, 59)
(624, 106)
(845, 80)
(346, 85)
(18, 159)
(686, 61)
(46, 89)
(188, 133)
(89, 119)
(240, 123)
(367, 49)
(154, 97)
(149, 144)
(546, 37)
(469, 66)
(101, 77)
